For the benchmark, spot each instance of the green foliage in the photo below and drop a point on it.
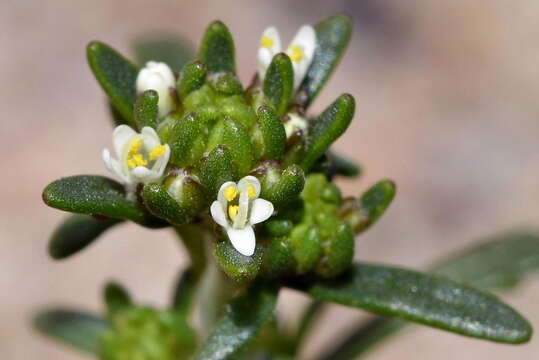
(279, 82)
(217, 49)
(239, 267)
(145, 109)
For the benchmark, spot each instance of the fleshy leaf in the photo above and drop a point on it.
(342, 166)
(169, 48)
(161, 204)
(287, 188)
(279, 82)
(146, 109)
(272, 133)
(332, 38)
(96, 195)
(183, 135)
(243, 318)
(327, 127)
(116, 75)
(216, 169)
(239, 267)
(116, 298)
(497, 264)
(77, 329)
(217, 49)
(75, 233)
(191, 78)
(425, 299)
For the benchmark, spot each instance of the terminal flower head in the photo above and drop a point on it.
(159, 77)
(141, 156)
(300, 51)
(237, 209)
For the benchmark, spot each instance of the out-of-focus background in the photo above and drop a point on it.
(448, 107)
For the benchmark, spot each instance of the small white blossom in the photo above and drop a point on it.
(141, 157)
(158, 76)
(237, 209)
(300, 51)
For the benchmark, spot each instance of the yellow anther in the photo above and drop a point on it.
(157, 152)
(233, 211)
(296, 53)
(266, 41)
(135, 146)
(230, 192)
(251, 191)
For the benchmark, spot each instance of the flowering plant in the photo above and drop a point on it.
(244, 177)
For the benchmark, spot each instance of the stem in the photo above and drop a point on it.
(194, 240)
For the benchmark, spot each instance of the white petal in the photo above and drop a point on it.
(144, 174)
(306, 39)
(161, 163)
(266, 54)
(221, 196)
(150, 138)
(113, 166)
(159, 77)
(120, 137)
(243, 240)
(249, 180)
(218, 214)
(261, 210)
(264, 58)
(272, 33)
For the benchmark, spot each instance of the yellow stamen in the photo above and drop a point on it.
(266, 41)
(296, 53)
(134, 158)
(230, 192)
(157, 152)
(233, 211)
(135, 146)
(251, 191)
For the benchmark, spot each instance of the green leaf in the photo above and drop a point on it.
(241, 322)
(424, 299)
(500, 263)
(239, 267)
(217, 49)
(216, 169)
(116, 298)
(226, 84)
(96, 195)
(146, 109)
(279, 82)
(332, 38)
(184, 133)
(171, 49)
(289, 185)
(116, 75)
(77, 232)
(272, 133)
(342, 166)
(191, 78)
(328, 127)
(161, 204)
(80, 330)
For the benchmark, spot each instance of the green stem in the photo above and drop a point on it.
(193, 238)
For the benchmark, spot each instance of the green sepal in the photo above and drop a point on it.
(116, 75)
(233, 135)
(283, 187)
(239, 267)
(191, 78)
(279, 82)
(272, 136)
(75, 233)
(226, 83)
(116, 298)
(217, 49)
(80, 330)
(425, 299)
(242, 320)
(216, 169)
(332, 38)
(364, 212)
(96, 195)
(183, 135)
(328, 127)
(277, 258)
(305, 242)
(338, 252)
(146, 109)
(160, 203)
(169, 48)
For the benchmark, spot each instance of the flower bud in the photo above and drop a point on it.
(158, 76)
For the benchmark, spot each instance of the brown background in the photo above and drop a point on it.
(447, 94)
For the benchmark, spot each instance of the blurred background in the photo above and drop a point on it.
(447, 107)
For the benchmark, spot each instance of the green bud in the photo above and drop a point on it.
(327, 127)
(200, 98)
(191, 78)
(236, 108)
(146, 109)
(215, 170)
(233, 135)
(338, 252)
(269, 137)
(226, 83)
(237, 266)
(279, 82)
(306, 247)
(217, 49)
(277, 257)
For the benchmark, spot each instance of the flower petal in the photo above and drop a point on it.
(120, 137)
(221, 196)
(243, 240)
(161, 162)
(270, 45)
(113, 166)
(150, 138)
(249, 180)
(261, 210)
(143, 174)
(218, 214)
(305, 39)
(159, 77)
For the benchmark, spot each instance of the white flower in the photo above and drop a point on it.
(237, 209)
(300, 51)
(158, 76)
(141, 157)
